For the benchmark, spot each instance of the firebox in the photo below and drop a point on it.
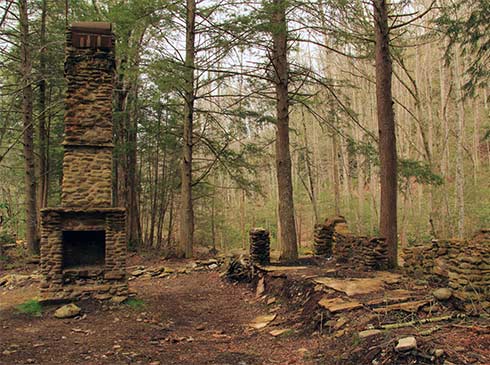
(83, 249)
(83, 242)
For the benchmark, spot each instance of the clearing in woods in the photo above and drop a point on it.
(194, 318)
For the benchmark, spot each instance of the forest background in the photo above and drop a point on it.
(440, 53)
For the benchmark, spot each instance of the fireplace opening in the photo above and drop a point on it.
(83, 249)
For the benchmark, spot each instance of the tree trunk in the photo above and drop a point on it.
(28, 137)
(289, 247)
(386, 126)
(187, 211)
(42, 150)
(459, 147)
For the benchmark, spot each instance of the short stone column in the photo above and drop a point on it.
(322, 243)
(259, 246)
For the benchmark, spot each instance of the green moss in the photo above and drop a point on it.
(134, 303)
(31, 307)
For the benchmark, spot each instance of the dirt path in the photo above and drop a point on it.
(186, 319)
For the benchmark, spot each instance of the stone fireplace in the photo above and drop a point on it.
(83, 242)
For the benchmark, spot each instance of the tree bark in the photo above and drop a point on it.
(42, 149)
(28, 137)
(187, 211)
(460, 124)
(387, 137)
(288, 238)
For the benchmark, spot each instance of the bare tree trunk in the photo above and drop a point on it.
(310, 187)
(459, 147)
(187, 211)
(28, 137)
(387, 137)
(289, 247)
(42, 150)
(336, 178)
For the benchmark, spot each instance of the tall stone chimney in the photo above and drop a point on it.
(83, 242)
(89, 73)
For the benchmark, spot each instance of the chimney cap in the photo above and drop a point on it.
(92, 27)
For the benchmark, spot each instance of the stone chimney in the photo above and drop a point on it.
(83, 242)
(89, 73)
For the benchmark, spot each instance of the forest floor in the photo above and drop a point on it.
(194, 316)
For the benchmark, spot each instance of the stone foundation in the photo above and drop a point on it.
(74, 282)
(464, 264)
(334, 238)
(364, 252)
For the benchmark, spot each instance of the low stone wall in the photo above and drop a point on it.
(367, 253)
(465, 264)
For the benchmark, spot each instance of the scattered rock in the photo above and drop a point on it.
(406, 344)
(200, 327)
(442, 293)
(438, 352)
(279, 332)
(138, 272)
(340, 323)
(155, 363)
(67, 311)
(369, 333)
(260, 287)
(262, 321)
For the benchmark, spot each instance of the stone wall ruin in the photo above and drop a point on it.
(463, 264)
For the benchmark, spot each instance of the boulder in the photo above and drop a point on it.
(442, 293)
(67, 311)
(406, 344)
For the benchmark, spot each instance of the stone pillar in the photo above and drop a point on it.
(259, 246)
(322, 244)
(89, 74)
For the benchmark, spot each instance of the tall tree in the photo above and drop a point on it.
(42, 132)
(186, 208)
(28, 134)
(386, 128)
(288, 238)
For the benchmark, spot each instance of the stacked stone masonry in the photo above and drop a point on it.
(333, 238)
(87, 177)
(61, 283)
(363, 252)
(87, 162)
(464, 264)
(86, 200)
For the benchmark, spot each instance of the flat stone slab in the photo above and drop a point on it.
(406, 306)
(334, 305)
(369, 333)
(352, 287)
(388, 277)
(391, 297)
(262, 321)
(283, 268)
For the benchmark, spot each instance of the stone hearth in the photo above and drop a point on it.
(83, 242)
